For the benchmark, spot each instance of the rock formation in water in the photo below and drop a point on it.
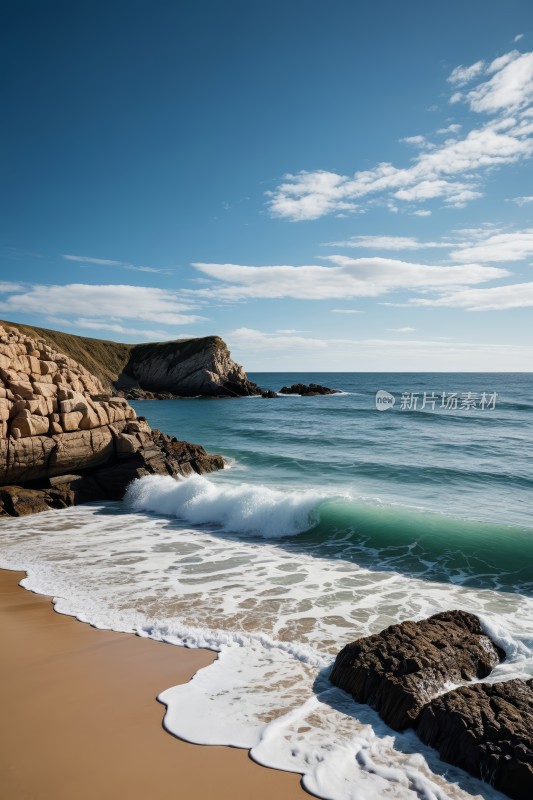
(63, 439)
(307, 390)
(404, 671)
(400, 669)
(487, 729)
(194, 367)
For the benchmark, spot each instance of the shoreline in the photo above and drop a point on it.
(81, 719)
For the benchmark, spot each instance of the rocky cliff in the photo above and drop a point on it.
(186, 368)
(183, 367)
(64, 439)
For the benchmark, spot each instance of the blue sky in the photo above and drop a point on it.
(328, 186)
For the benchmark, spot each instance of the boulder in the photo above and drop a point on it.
(486, 729)
(402, 668)
(18, 501)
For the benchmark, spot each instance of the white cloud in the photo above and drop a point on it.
(310, 195)
(417, 141)
(146, 269)
(108, 262)
(108, 301)
(251, 339)
(494, 298)
(510, 87)
(522, 201)
(6, 287)
(451, 171)
(497, 247)
(115, 327)
(385, 243)
(345, 311)
(518, 37)
(461, 75)
(345, 279)
(422, 212)
(402, 330)
(453, 128)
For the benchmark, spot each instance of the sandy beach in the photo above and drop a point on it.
(80, 717)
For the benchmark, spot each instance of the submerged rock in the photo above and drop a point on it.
(307, 390)
(402, 668)
(487, 729)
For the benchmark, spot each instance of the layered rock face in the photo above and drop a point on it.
(185, 369)
(404, 671)
(62, 436)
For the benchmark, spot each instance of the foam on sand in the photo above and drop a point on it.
(276, 610)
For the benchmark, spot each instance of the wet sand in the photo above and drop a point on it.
(80, 719)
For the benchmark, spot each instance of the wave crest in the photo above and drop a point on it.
(244, 508)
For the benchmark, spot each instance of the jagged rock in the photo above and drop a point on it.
(402, 668)
(307, 390)
(487, 729)
(185, 369)
(268, 393)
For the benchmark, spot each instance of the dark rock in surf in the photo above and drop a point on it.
(402, 668)
(307, 390)
(486, 729)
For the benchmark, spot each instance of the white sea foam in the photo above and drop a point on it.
(275, 613)
(240, 508)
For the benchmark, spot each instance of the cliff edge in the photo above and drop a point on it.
(182, 367)
(64, 439)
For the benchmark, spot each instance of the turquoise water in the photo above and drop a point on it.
(444, 494)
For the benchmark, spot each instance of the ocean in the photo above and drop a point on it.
(333, 520)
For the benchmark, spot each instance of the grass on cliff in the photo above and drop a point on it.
(107, 360)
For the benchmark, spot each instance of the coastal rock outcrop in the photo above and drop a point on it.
(189, 368)
(64, 440)
(487, 729)
(307, 390)
(402, 668)
(180, 368)
(404, 672)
